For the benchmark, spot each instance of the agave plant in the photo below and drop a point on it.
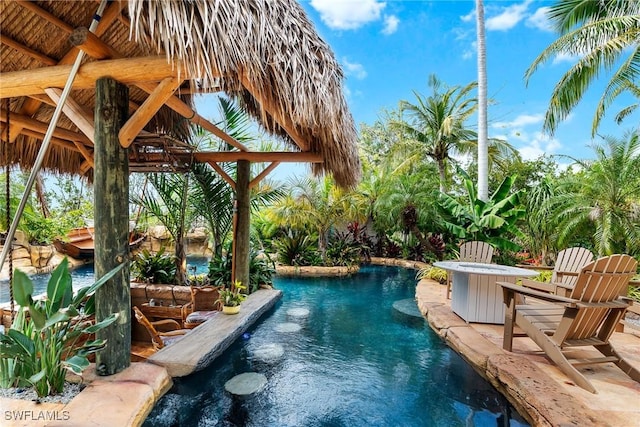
(55, 335)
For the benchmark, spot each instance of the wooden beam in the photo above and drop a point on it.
(40, 57)
(255, 181)
(46, 15)
(224, 175)
(88, 157)
(258, 157)
(96, 48)
(284, 122)
(180, 107)
(147, 110)
(92, 45)
(127, 71)
(27, 122)
(31, 106)
(74, 112)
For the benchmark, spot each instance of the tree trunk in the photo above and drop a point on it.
(443, 175)
(180, 251)
(242, 240)
(483, 160)
(111, 214)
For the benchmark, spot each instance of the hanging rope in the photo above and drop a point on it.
(8, 211)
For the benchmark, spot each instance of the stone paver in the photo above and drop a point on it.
(533, 384)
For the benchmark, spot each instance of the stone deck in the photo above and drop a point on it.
(533, 384)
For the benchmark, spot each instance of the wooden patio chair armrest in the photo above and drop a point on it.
(538, 286)
(518, 289)
(165, 325)
(608, 304)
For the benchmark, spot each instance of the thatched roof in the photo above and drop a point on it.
(264, 54)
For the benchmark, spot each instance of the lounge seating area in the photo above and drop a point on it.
(588, 316)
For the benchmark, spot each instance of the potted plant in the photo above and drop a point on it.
(231, 297)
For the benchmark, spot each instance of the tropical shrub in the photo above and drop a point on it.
(297, 249)
(433, 273)
(154, 267)
(220, 267)
(342, 250)
(261, 270)
(41, 230)
(492, 221)
(54, 336)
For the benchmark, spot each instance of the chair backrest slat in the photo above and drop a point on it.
(570, 260)
(476, 251)
(600, 281)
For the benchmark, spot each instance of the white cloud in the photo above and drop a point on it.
(354, 69)
(469, 16)
(539, 20)
(348, 15)
(471, 51)
(520, 121)
(539, 145)
(390, 24)
(509, 17)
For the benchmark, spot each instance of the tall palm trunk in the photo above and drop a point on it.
(442, 172)
(181, 252)
(483, 162)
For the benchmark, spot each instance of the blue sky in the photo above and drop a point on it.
(388, 50)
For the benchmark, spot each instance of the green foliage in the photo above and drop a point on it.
(232, 295)
(156, 267)
(634, 293)
(544, 276)
(342, 250)
(433, 273)
(41, 230)
(492, 221)
(39, 348)
(297, 249)
(261, 270)
(220, 268)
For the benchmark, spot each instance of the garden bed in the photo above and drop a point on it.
(315, 271)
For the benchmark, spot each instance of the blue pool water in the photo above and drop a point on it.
(354, 362)
(84, 276)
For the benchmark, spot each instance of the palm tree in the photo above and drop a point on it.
(600, 33)
(437, 122)
(605, 196)
(483, 162)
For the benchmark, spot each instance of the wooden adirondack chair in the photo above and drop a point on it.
(160, 339)
(474, 251)
(587, 317)
(565, 273)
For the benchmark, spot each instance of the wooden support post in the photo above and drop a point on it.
(111, 215)
(241, 255)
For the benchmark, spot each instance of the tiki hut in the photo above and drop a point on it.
(140, 62)
(265, 55)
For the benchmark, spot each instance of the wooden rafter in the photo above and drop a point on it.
(93, 46)
(74, 111)
(224, 175)
(148, 109)
(27, 122)
(31, 106)
(258, 157)
(44, 59)
(255, 181)
(46, 15)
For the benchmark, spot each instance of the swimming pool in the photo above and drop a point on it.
(353, 361)
(84, 276)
